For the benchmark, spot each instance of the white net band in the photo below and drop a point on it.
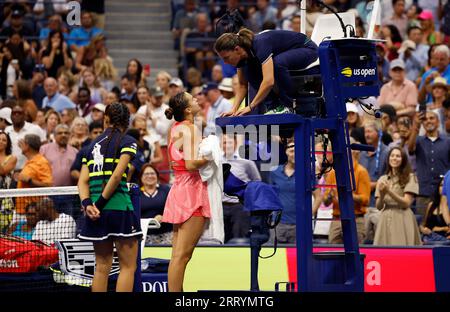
(39, 191)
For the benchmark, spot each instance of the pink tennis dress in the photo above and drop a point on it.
(188, 195)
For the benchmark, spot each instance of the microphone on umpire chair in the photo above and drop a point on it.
(369, 106)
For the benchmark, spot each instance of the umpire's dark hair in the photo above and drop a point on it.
(229, 41)
(177, 105)
(119, 119)
(95, 125)
(33, 141)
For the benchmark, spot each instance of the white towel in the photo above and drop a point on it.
(209, 148)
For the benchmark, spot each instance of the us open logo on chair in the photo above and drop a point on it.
(348, 72)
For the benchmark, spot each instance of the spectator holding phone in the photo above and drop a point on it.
(432, 152)
(22, 54)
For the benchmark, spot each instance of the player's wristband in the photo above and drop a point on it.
(86, 202)
(101, 202)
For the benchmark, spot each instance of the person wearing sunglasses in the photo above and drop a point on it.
(17, 131)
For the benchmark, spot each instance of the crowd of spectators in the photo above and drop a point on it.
(56, 80)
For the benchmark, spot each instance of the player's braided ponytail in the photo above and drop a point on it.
(119, 115)
(119, 119)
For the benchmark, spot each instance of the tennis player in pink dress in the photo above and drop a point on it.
(187, 205)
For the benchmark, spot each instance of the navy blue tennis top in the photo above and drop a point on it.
(269, 44)
(102, 159)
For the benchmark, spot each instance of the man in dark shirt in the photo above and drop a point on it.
(432, 156)
(17, 26)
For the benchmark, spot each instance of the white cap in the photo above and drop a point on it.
(100, 106)
(226, 85)
(397, 63)
(351, 107)
(177, 82)
(5, 113)
(407, 44)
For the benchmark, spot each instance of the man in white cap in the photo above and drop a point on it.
(226, 88)
(414, 53)
(175, 86)
(5, 118)
(399, 92)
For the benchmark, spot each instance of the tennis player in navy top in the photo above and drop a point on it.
(263, 60)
